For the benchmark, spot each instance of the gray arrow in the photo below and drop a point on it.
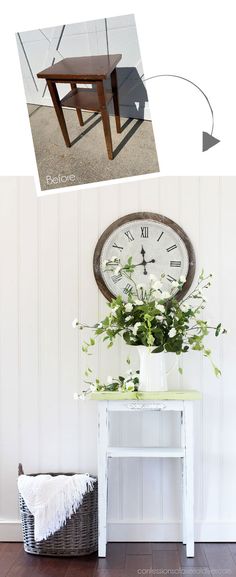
(208, 140)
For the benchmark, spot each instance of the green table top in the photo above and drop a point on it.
(180, 395)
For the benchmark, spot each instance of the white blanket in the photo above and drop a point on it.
(53, 499)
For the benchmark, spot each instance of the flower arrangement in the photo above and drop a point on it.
(154, 317)
(120, 384)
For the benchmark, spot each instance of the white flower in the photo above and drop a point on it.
(128, 318)
(161, 308)
(185, 307)
(165, 295)
(128, 307)
(157, 285)
(99, 326)
(129, 385)
(138, 302)
(78, 396)
(182, 279)
(75, 323)
(174, 284)
(172, 333)
(113, 311)
(135, 328)
(152, 278)
(117, 269)
(109, 380)
(160, 318)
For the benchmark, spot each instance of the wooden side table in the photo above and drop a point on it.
(85, 70)
(181, 401)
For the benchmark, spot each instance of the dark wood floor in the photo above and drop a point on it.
(124, 560)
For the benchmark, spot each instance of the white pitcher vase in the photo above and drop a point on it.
(153, 374)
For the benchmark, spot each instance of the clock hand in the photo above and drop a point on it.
(143, 252)
(144, 261)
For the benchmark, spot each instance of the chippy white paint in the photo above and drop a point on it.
(184, 452)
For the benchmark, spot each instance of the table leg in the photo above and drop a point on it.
(58, 109)
(102, 477)
(105, 117)
(183, 471)
(189, 489)
(79, 113)
(114, 86)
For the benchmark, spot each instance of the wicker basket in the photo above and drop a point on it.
(79, 535)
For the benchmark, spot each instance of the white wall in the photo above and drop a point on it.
(46, 250)
(117, 35)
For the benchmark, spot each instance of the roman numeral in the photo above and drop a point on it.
(116, 277)
(170, 278)
(144, 231)
(175, 263)
(129, 235)
(159, 237)
(127, 288)
(119, 247)
(171, 247)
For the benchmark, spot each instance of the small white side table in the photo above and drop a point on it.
(181, 401)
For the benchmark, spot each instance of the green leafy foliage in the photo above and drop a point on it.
(129, 382)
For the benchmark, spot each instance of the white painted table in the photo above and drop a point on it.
(181, 401)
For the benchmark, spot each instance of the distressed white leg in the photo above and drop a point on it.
(189, 489)
(102, 477)
(183, 471)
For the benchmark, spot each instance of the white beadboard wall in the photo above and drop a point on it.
(46, 250)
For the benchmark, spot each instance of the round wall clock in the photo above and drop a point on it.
(157, 245)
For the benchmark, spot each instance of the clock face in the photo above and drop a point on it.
(156, 244)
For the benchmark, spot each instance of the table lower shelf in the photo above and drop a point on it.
(85, 99)
(146, 452)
